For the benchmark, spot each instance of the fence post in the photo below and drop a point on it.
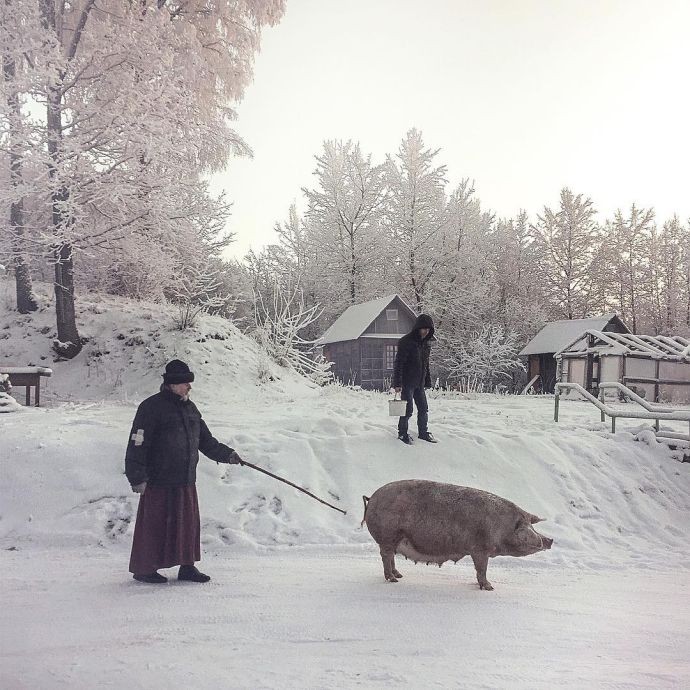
(601, 397)
(613, 424)
(555, 404)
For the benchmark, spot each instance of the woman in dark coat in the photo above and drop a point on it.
(411, 376)
(162, 454)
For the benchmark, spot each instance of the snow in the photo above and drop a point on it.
(298, 598)
(323, 618)
(355, 320)
(43, 371)
(8, 403)
(559, 334)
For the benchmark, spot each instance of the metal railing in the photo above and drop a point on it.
(649, 411)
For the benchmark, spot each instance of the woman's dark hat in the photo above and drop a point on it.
(177, 371)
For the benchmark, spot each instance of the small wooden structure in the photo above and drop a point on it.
(29, 377)
(553, 337)
(363, 341)
(656, 367)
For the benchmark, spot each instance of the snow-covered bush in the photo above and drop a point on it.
(277, 326)
(7, 402)
(482, 361)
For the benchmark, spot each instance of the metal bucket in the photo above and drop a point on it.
(396, 407)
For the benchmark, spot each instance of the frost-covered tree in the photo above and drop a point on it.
(685, 277)
(568, 242)
(664, 283)
(17, 50)
(461, 287)
(343, 220)
(623, 258)
(416, 217)
(520, 305)
(138, 103)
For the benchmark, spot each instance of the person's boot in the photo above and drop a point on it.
(191, 574)
(426, 436)
(154, 578)
(405, 438)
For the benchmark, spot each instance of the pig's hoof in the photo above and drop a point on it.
(487, 586)
(396, 574)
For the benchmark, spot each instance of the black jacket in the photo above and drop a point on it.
(167, 435)
(411, 369)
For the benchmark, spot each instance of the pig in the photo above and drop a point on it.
(434, 523)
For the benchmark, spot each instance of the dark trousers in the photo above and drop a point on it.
(419, 397)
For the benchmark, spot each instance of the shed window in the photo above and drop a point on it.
(391, 351)
(391, 314)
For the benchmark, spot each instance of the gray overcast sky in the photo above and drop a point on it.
(523, 96)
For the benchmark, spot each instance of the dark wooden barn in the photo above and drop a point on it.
(541, 350)
(363, 341)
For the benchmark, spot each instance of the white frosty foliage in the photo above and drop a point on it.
(278, 324)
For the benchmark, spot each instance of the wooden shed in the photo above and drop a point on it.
(541, 350)
(655, 367)
(363, 341)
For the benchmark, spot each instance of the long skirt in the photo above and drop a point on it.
(167, 531)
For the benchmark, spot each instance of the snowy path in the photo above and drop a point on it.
(298, 598)
(324, 618)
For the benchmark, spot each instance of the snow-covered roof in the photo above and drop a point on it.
(654, 346)
(356, 319)
(559, 334)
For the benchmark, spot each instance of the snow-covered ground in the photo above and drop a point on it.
(298, 598)
(324, 618)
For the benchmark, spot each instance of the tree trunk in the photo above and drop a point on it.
(68, 342)
(26, 301)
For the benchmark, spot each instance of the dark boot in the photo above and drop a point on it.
(191, 574)
(153, 578)
(405, 438)
(426, 436)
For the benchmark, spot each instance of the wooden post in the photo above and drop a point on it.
(601, 397)
(613, 424)
(656, 383)
(555, 405)
(37, 394)
(27, 390)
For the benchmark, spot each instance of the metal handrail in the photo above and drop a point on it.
(649, 412)
(633, 396)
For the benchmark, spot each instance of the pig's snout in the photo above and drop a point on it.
(546, 543)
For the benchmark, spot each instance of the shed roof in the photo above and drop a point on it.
(356, 319)
(674, 347)
(559, 334)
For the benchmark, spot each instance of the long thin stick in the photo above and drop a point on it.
(299, 488)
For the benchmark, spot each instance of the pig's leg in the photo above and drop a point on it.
(481, 560)
(388, 558)
(396, 572)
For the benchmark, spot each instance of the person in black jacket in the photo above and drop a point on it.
(411, 376)
(162, 454)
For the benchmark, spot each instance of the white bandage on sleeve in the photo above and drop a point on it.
(138, 438)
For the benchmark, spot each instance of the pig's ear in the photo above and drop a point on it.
(534, 519)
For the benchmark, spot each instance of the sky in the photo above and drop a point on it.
(522, 96)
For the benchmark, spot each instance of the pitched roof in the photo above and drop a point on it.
(356, 319)
(559, 334)
(654, 346)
